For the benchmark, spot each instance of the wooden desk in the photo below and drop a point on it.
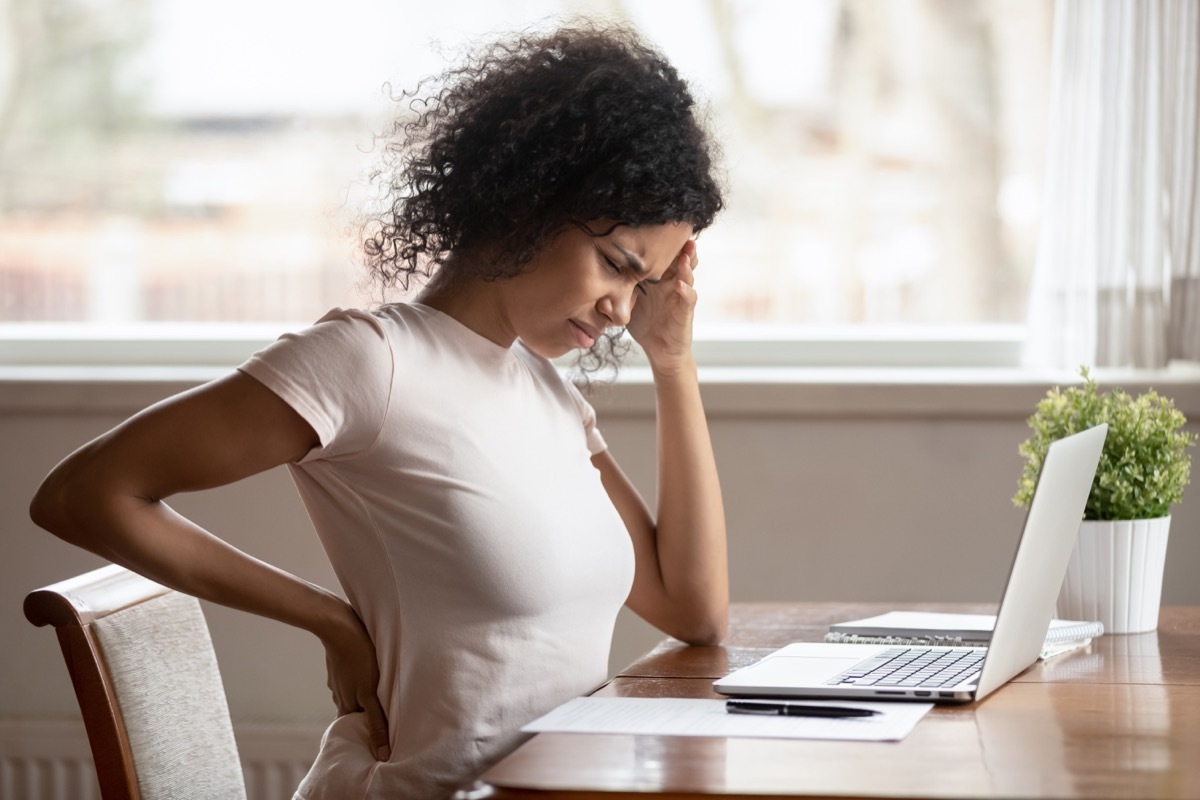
(1120, 719)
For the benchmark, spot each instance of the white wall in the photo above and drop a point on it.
(835, 490)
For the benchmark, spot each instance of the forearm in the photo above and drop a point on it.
(690, 522)
(148, 537)
(172, 550)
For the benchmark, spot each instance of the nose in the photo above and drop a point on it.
(618, 306)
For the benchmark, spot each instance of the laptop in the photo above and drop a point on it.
(954, 674)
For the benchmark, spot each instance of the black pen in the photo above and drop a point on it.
(787, 708)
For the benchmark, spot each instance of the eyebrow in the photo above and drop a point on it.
(635, 263)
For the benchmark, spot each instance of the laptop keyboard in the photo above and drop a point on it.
(914, 666)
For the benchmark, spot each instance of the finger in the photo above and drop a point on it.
(683, 267)
(692, 253)
(377, 729)
(686, 257)
(686, 292)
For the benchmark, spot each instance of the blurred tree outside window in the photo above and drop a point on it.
(168, 160)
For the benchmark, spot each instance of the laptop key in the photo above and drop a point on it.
(911, 667)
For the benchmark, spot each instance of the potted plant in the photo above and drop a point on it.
(1116, 568)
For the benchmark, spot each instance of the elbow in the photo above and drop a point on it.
(700, 619)
(710, 638)
(707, 630)
(47, 509)
(59, 504)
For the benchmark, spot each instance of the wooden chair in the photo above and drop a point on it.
(147, 682)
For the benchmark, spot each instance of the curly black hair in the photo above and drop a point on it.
(533, 133)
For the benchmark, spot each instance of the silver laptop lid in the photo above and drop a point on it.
(1043, 551)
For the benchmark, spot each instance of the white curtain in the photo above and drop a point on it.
(1117, 279)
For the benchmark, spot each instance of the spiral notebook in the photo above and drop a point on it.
(954, 630)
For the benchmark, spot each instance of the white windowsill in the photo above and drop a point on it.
(752, 391)
(755, 371)
(219, 345)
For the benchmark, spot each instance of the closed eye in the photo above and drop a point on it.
(642, 286)
(620, 269)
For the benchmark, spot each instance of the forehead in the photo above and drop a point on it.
(655, 245)
(649, 236)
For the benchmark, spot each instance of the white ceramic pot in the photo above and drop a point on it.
(1115, 574)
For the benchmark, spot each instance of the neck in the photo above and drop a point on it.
(473, 302)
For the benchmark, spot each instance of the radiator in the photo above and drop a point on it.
(51, 760)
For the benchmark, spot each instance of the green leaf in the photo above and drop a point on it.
(1145, 464)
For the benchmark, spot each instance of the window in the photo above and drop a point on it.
(165, 161)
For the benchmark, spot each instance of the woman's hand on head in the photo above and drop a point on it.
(354, 680)
(661, 321)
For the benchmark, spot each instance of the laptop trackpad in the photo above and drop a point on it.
(798, 670)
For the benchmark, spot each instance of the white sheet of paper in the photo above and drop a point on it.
(671, 716)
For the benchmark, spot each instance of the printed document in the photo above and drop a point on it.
(672, 716)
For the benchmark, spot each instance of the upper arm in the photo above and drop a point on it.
(679, 579)
(646, 594)
(210, 436)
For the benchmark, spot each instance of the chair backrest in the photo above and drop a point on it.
(147, 682)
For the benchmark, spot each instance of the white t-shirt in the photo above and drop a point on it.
(454, 494)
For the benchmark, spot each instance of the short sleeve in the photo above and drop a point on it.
(587, 415)
(337, 374)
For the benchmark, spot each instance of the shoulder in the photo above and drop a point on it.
(348, 371)
(381, 322)
(347, 353)
(364, 330)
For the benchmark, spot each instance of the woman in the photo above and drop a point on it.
(482, 533)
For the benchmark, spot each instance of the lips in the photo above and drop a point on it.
(585, 335)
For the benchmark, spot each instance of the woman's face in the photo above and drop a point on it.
(579, 285)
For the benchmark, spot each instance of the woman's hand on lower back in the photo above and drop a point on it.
(354, 679)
